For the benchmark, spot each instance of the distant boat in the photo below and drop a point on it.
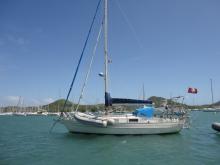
(19, 114)
(19, 108)
(141, 121)
(211, 109)
(32, 113)
(6, 114)
(53, 114)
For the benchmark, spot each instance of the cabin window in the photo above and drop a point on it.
(133, 120)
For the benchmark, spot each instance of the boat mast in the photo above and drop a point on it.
(106, 44)
(212, 91)
(143, 93)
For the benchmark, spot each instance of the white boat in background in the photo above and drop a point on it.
(212, 107)
(141, 121)
(45, 113)
(19, 110)
(31, 113)
(53, 113)
(6, 114)
(19, 114)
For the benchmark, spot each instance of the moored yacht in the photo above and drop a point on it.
(141, 121)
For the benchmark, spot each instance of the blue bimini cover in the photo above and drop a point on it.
(146, 111)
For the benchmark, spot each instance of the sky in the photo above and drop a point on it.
(166, 45)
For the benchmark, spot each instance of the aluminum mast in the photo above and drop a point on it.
(106, 44)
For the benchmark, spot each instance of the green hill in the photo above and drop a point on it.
(57, 106)
(158, 102)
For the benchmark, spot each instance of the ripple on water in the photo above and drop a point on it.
(26, 140)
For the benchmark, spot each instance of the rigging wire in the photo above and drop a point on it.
(77, 68)
(130, 25)
(80, 59)
(89, 68)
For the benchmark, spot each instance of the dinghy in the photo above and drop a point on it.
(90, 119)
(216, 126)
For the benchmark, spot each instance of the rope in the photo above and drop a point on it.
(89, 69)
(80, 59)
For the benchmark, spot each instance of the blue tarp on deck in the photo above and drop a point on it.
(146, 111)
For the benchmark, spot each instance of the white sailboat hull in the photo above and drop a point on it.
(123, 128)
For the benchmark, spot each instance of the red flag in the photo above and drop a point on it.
(193, 90)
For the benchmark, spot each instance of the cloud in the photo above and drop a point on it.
(48, 100)
(44, 101)
(21, 101)
(17, 40)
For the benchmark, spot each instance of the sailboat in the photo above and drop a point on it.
(19, 108)
(141, 122)
(212, 107)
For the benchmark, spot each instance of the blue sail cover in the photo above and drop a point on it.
(109, 101)
(146, 111)
(130, 101)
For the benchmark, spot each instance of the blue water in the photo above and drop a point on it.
(26, 140)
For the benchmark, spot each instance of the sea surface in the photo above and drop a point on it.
(26, 140)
